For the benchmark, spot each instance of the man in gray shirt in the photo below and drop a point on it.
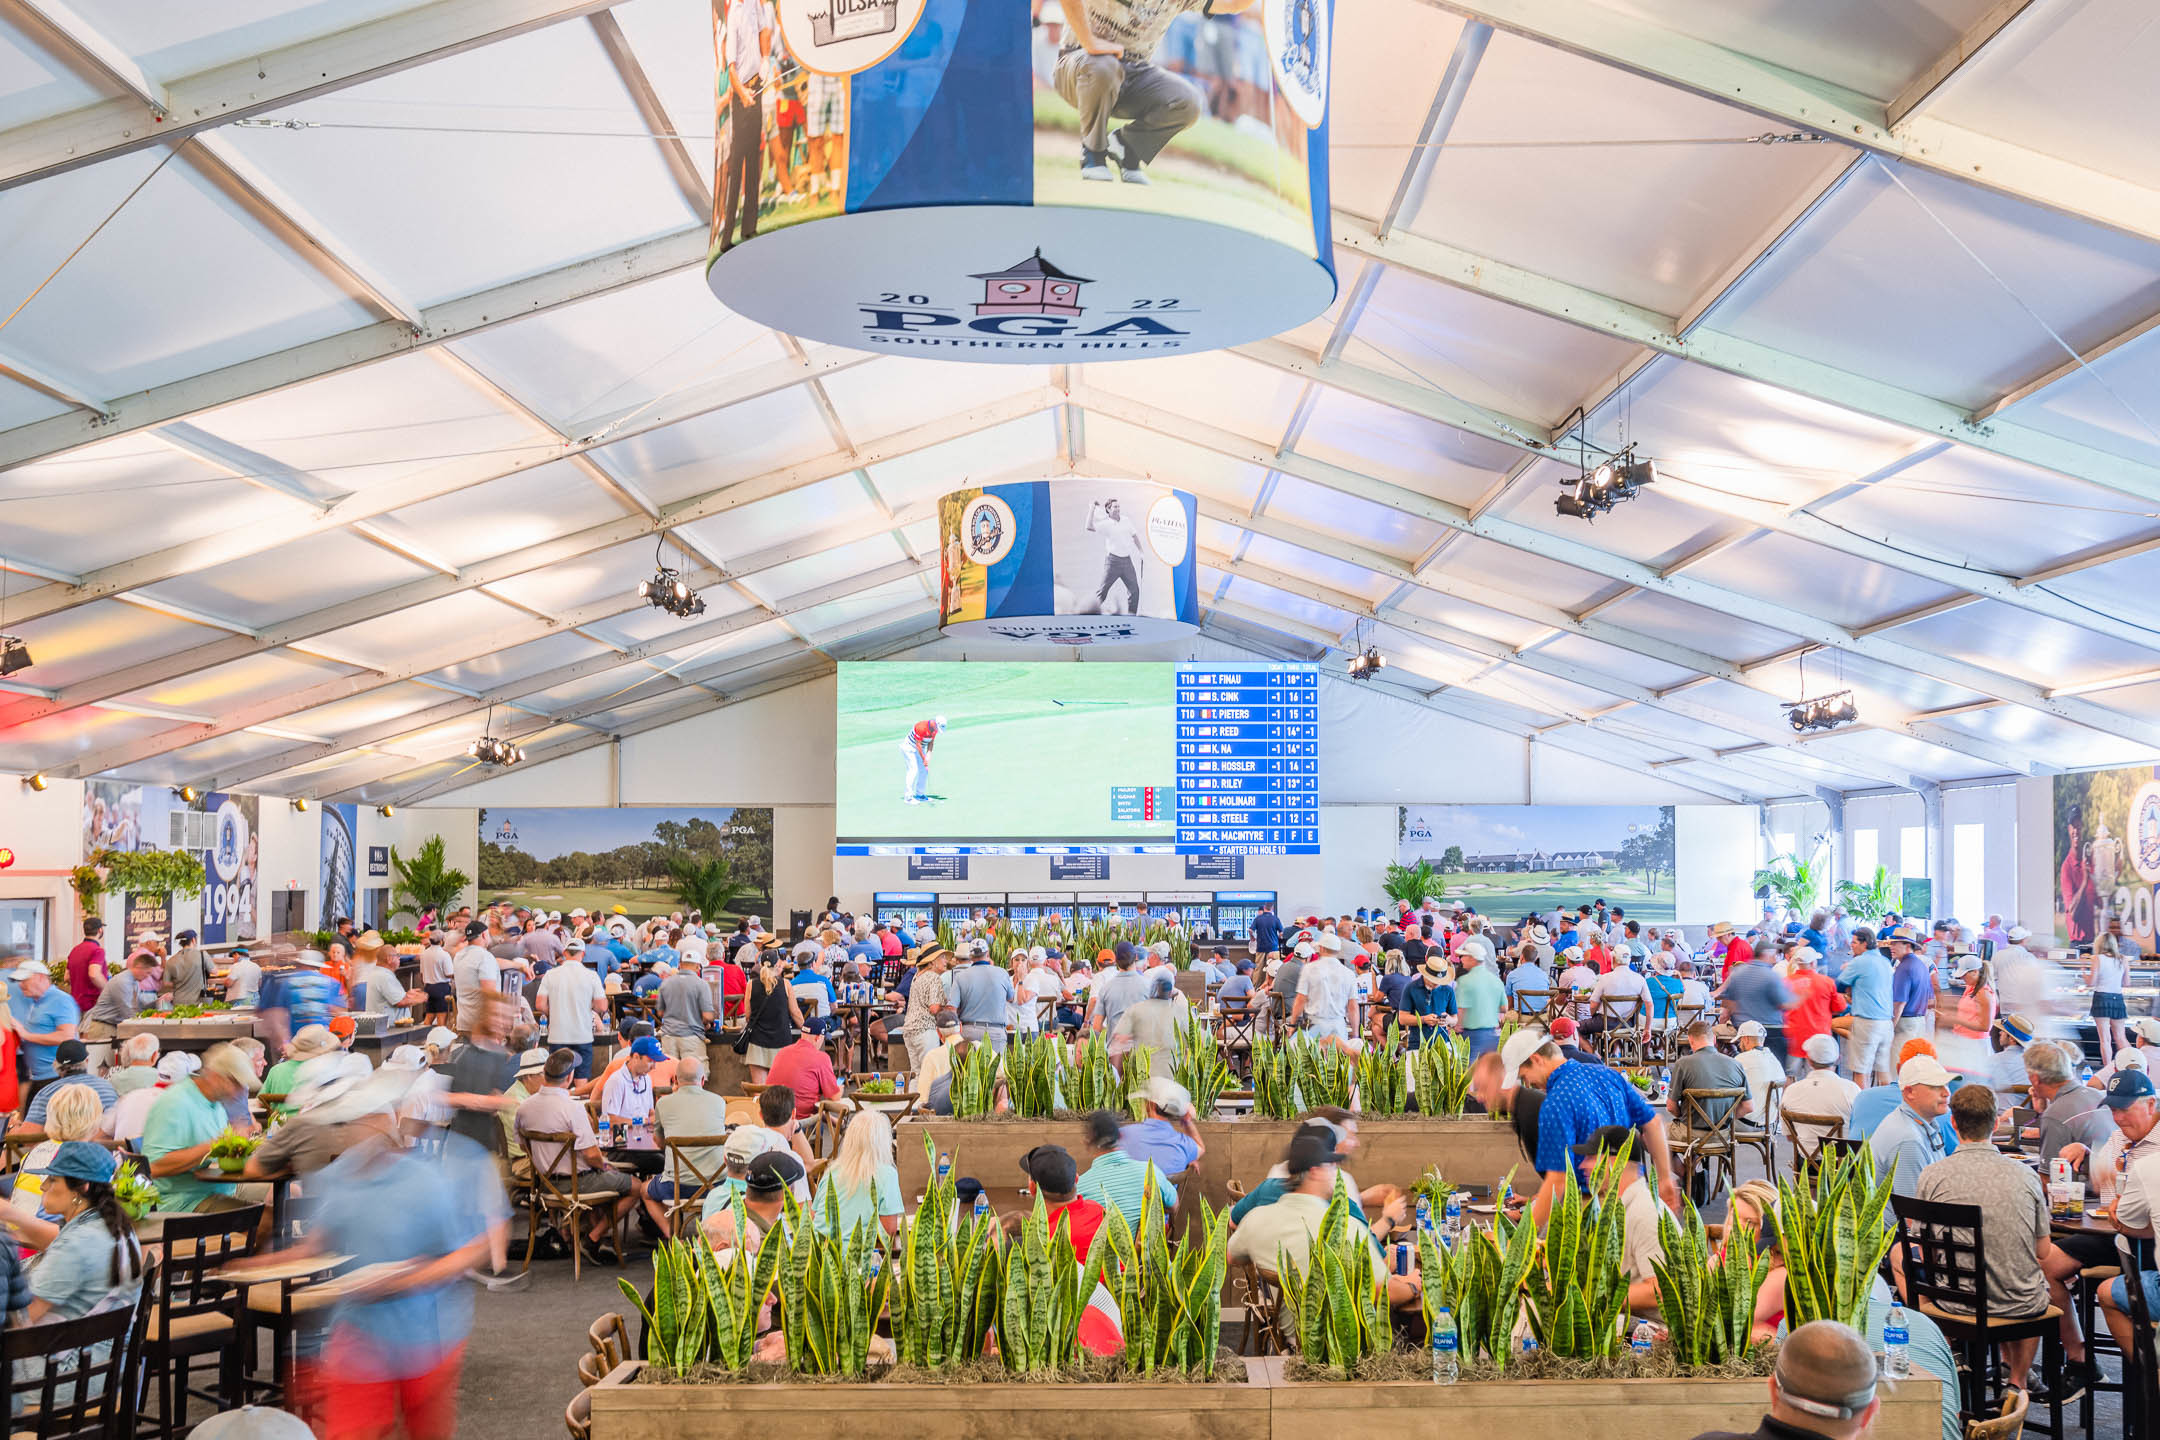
(2069, 1112)
(2018, 1257)
(124, 997)
(685, 1002)
(1116, 991)
(983, 994)
(1704, 1067)
(184, 970)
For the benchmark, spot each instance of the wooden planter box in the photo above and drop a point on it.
(1267, 1407)
(625, 1411)
(1622, 1409)
(1469, 1149)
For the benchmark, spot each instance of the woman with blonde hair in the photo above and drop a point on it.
(73, 1113)
(862, 1182)
(1755, 1205)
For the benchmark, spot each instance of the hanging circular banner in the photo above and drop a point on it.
(1068, 562)
(1093, 179)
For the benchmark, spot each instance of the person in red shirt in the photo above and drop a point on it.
(805, 1068)
(921, 739)
(734, 986)
(1738, 951)
(86, 966)
(1055, 1176)
(1818, 1000)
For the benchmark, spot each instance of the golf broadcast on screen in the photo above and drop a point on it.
(986, 752)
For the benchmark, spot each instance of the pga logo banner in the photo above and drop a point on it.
(1033, 301)
(1297, 41)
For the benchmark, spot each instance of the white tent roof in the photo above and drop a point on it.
(356, 371)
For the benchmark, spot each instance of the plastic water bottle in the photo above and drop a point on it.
(944, 1165)
(607, 1133)
(982, 1205)
(1445, 1361)
(1896, 1358)
(1641, 1339)
(1451, 1218)
(1424, 1211)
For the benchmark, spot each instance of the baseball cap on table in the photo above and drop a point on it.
(2127, 1088)
(1751, 1029)
(1822, 1049)
(1927, 1070)
(1051, 1167)
(772, 1172)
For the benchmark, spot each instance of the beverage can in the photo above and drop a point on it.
(1402, 1257)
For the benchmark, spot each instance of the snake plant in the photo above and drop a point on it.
(1577, 1289)
(1481, 1281)
(1274, 1079)
(1091, 1082)
(944, 1293)
(1440, 1073)
(1199, 1066)
(1707, 1302)
(1831, 1227)
(1340, 1295)
(974, 1081)
(678, 1318)
(703, 1311)
(1169, 1299)
(1032, 1066)
(1133, 1071)
(1044, 1289)
(1382, 1082)
(1326, 1075)
(832, 1292)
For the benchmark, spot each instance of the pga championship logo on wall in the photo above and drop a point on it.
(974, 182)
(1068, 562)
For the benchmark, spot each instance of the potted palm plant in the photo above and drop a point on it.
(424, 884)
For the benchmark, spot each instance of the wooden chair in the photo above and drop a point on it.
(1238, 1022)
(610, 1340)
(591, 1369)
(1534, 1004)
(1263, 1332)
(2006, 1426)
(690, 1184)
(92, 1400)
(284, 1306)
(1761, 1136)
(1620, 1039)
(1946, 1280)
(193, 1314)
(556, 1198)
(1806, 1150)
(1705, 1138)
(577, 1415)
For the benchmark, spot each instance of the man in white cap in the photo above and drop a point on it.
(687, 1010)
(1750, 1040)
(1170, 1134)
(1821, 1091)
(42, 1017)
(572, 1001)
(1327, 997)
(1909, 1139)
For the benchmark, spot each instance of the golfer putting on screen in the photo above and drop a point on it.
(918, 745)
(1121, 555)
(1107, 71)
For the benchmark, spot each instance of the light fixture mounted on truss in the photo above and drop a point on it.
(1821, 712)
(667, 590)
(492, 750)
(1598, 488)
(1366, 663)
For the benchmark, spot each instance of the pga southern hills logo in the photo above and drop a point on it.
(1031, 305)
(1297, 39)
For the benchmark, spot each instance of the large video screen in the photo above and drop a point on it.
(983, 755)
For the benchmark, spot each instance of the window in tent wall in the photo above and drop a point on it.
(1866, 854)
(1968, 875)
(1912, 852)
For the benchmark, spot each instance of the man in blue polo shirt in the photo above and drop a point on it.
(1579, 1101)
(1870, 1056)
(41, 1016)
(1267, 932)
(1427, 1003)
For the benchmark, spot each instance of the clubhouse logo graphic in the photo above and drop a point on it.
(845, 37)
(987, 529)
(853, 20)
(1297, 41)
(1033, 304)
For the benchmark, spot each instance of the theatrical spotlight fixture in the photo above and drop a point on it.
(300, 804)
(1824, 712)
(668, 591)
(14, 655)
(36, 780)
(1598, 488)
(386, 811)
(488, 750)
(188, 794)
(1368, 664)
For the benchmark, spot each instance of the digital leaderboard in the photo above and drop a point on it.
(1248, 760)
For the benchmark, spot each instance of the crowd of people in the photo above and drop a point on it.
(1906, 1043)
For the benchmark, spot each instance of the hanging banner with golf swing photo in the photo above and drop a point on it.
(1022, 180)
(1068, 562)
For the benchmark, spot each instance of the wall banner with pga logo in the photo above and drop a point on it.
(1068, 562)
(1100, 180)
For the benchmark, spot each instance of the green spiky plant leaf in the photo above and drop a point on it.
(1831, 1228)
(1199, 1066)
(1339, 1296)
(1383, 1083)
